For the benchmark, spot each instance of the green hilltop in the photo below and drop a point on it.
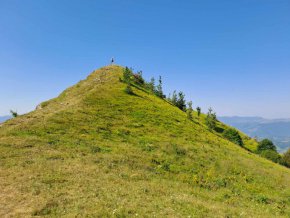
(96, 151)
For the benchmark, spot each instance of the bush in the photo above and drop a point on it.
(181, 104)
(211, 119)
(129, 90)
(271, 155)
(138, 78)
(286, 158)
(189, 110)
(198, 109)
(151, 85)
(127, 75)
(233, 136)
(266, 144)
(14, 113)
(158, 90)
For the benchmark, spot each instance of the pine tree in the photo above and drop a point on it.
(211, 119)
(127, 74)
(168, 98)
(198, 109)
(14, 113)
(151, 85)
(159, 91)
(189, 110)
(174, 98)
(138, 78)
(181, 104)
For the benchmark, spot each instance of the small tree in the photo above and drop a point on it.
(159, 91)
(266, 144)
(168, 98)
(138, 78)
(198, 109)
(181, 104)
(13, 113)
(127, 74)
(174, 98)
(233, 135)
(151, 85)
(286, 158)
(211, 119)
(189, 110)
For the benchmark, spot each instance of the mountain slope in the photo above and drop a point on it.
(97, 151)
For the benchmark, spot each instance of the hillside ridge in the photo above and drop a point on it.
(97, 151)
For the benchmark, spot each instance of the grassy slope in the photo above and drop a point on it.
(95, 150)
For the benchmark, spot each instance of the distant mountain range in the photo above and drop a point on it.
(4, 118)
(278, 130)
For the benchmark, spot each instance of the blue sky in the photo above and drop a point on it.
(231, 55)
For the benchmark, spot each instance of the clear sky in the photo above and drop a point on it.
(233, 55)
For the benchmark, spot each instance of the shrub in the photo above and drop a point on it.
(138, 78)
(286, 158)
(127, 75)
(198, 109)
(158, 90)
(271, 155)
(180, 103)
(96, 149)
(266, 144)
(151, 85)
(189, 110)
(178, 100)
(14, 113)
(233, 136)
(129, 90)
(211, 119)
(174, 98)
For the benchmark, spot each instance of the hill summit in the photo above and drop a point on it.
(98, 151)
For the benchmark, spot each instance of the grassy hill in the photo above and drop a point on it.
(96, 151)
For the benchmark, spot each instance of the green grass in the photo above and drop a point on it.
(96, 151)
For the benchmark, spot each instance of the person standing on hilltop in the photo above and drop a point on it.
(112, 61)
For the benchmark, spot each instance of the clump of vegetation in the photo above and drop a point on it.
(127, 75)
(266, 144)
(138, 78)
(286, 158)
(151, 85)
(211, 119)
(271, 155)
(189, 110)
(129, 89)
(198, 109)
(233, 135)
(13, 113)
(178, 100)
(159, 91)
(267, 149)
(181, 103)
